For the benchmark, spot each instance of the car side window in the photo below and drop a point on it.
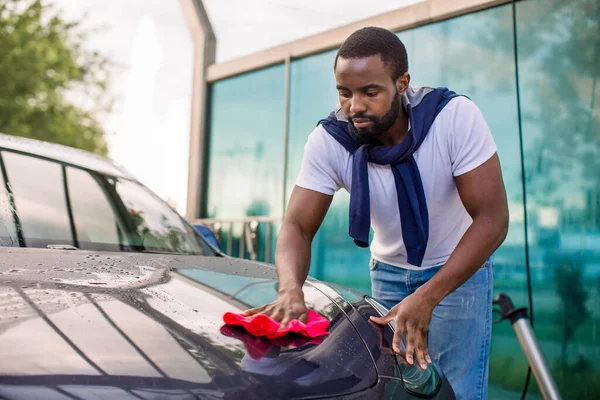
(8, 232)
(40, 201)
(97, 226)
(159, 227)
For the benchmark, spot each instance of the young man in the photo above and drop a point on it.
(422, 170)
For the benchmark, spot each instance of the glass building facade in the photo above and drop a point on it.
(533, 71)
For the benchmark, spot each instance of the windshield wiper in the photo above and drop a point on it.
(61, 247)
(166, 252)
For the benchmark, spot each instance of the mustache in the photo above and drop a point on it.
(361, 117)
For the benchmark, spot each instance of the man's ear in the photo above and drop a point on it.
(402, 83)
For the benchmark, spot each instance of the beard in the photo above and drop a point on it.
(379, 126)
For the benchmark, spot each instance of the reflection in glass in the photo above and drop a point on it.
(420, 382)
(160, 227)
(95, 220)
(559, 58)
(245, 173)
(246, 145)
(38, 187)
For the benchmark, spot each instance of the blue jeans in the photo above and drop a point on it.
(460, 329)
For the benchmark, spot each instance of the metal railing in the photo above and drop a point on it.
(252, 234)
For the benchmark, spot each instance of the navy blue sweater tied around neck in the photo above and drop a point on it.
(422, 105)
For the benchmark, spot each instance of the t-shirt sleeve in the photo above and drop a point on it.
(471, 142)
(319, 171)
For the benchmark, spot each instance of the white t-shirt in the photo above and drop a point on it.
(458, 141)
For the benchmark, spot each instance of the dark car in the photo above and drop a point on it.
(106, 292)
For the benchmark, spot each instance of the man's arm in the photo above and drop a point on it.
(305, 213)
(484, 197)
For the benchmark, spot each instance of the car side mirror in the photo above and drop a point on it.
(207, 234)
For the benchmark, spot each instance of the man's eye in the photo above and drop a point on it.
(372, 94)
(345, 95)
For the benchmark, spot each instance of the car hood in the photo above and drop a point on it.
(131, 325)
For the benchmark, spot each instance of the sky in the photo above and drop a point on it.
(246, 26)
(151, 50)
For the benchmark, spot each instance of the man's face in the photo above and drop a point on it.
(368, 95)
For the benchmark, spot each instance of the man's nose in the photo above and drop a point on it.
(357, 105)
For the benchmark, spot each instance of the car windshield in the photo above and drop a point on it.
(45, 203)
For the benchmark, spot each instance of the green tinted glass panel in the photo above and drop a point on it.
(559, 66)
(246, 145)
(474, 55)
(313, 96)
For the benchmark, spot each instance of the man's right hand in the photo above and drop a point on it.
(304, 215)
(288, 306)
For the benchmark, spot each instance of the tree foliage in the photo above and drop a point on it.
(51, 87)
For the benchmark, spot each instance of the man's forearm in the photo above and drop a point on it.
(482, 238)
(292, 258)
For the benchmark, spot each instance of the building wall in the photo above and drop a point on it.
(549, 148)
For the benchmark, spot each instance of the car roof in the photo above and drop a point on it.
(63, 154)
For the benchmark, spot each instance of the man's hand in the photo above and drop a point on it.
(288, 306)
(303, 217)
(411, 316)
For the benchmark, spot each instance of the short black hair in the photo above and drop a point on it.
(371, 41)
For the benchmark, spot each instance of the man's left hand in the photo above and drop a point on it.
(411, 316)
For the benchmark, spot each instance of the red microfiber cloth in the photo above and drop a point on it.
(258, 347)
(262, 325)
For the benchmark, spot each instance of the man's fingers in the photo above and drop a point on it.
(284, 323)
(254, 311)
(422, 351)
(303, 317)
(402, 358)
(397, 339)
(383, 320)
(411, 340)
(289, 317)
(275, 313)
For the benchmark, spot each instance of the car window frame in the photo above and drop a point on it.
(113, 203)
(104, 181)
(11, 200)
(14, 209)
